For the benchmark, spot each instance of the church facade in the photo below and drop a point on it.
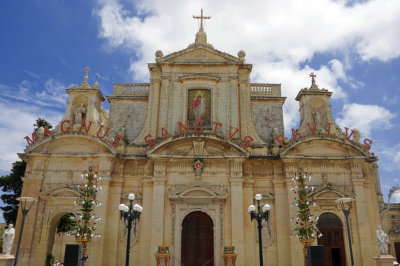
(195, 145)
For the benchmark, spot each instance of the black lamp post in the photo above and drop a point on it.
(25, 204)
(259, 216)
(345, 205)
(131, 216)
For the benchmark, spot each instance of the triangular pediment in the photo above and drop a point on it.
(199, 54)
(197, 190)
(65, 191)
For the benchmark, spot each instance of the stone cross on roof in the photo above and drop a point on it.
(201, 17)
(313, 76)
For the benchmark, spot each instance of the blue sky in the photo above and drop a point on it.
(352, 46)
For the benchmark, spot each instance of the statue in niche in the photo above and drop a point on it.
(79, 114)
(8, 239)
(382, 240)
(266, 234)
(317, 116)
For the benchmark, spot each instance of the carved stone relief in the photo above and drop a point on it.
(265, 118)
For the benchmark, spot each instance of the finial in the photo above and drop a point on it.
(201, 17)
(87, 69)
(85, 78)
(97, 76)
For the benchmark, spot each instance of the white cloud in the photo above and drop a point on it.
(20, 107)
(53, 94)
(365, 117)
(16, 122)
(279, 37)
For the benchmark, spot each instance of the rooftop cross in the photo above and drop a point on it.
(312, 75)
(201, 19)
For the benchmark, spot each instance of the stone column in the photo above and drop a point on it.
(110, 243)
(282, 222)
(361, 211)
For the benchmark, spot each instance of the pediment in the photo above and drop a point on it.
(197, 190)
(71, 144)
(199, 54)
(60, 192)
(323, 148)
(196, 146)
(331, 192)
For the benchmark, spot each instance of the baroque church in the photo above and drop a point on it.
(195, 145)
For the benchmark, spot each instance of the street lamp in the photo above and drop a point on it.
(345, 205)
(131, 216)
(259, 216)
(25, 204)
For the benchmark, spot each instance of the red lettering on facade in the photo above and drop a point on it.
(116, 141)
(105, 133)
(83, 125)
(31, 141)
(230, 132)
(196, 123)
(150, 141)
(62, 126)
(46, 132)
(280, 139)
(367, 144)
(295, 134)
(329, 130)
(246, 143)
(312, 130)
(186, 128)
(164, 133)
(347, 134)
(216, 127)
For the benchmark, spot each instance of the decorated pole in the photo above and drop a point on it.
(306, 230)
(84, 229)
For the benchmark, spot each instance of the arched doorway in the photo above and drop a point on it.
(197, 240)
(332, 239)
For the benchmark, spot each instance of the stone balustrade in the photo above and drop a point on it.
(265, 90)
(131, 89)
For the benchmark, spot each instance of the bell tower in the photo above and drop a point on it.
(315, 111)
(85, 104)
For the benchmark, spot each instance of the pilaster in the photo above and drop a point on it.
(110, 246)
(363, 221)
(282, 222)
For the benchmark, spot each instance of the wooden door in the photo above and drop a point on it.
(197, 240)
(333, 242)
(397, 250)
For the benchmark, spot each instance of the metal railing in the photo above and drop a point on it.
(131, 89)
(265, 89)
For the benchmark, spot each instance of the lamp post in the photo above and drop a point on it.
(25, 204)
(131, 216)
(259, 216)
(346, 204)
